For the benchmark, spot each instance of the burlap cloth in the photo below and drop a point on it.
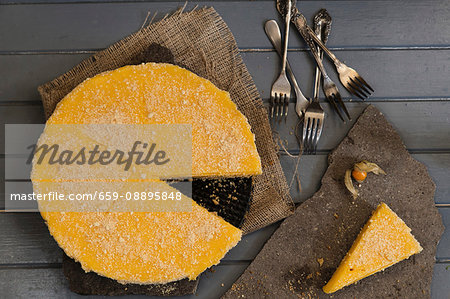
(202, 42)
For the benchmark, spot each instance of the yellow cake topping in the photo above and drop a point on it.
(384, 241)
(155, 247)
(144, 247)
(157, 93)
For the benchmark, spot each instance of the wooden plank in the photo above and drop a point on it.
(428, 131)
(251, 244)
(36, 283)
(21, 75)
(421, 125)
(21, 2)
(215, 284)
(415, 75)
(360, 24)
(17, 115)
(26, 240)
(440, 288)
(439, 168)
(311, 169)
(443, 249)
(30, 242)
(393, 74)
(50, 283)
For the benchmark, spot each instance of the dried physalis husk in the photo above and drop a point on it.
(359, 173)
(349, 183)
(367, 166)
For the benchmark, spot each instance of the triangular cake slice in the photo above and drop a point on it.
(384, 241)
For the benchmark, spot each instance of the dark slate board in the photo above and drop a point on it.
(325, 226)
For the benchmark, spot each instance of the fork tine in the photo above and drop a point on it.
(363, 85)
(286, 107)
(271, 107)
(305, 128)
(313, 135)
(338, 96)
(364, 82)
(308, 135)
(361, 88)
(276, 105)
(331, 99)
(319, 133)
(281, 105)
(355, 91)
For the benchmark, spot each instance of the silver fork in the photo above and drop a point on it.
(281, 88)
(351, 80)
(314, 116)
(274, 35)
(329, 87)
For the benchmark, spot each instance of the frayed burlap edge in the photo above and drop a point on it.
(201, 41)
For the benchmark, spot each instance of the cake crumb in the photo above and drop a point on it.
(320, 261)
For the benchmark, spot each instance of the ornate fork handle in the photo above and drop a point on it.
(322, 28)
(310, 37)
(300, 23)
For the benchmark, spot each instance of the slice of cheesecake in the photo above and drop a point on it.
(384, 241)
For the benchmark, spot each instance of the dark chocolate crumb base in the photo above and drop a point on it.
(91, 283)
(229, 198)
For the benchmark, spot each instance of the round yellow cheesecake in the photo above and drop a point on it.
(155, 247)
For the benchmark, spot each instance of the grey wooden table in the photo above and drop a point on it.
(401, 47)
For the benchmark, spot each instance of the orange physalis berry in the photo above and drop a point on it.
(359, 173)
(359, 176)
